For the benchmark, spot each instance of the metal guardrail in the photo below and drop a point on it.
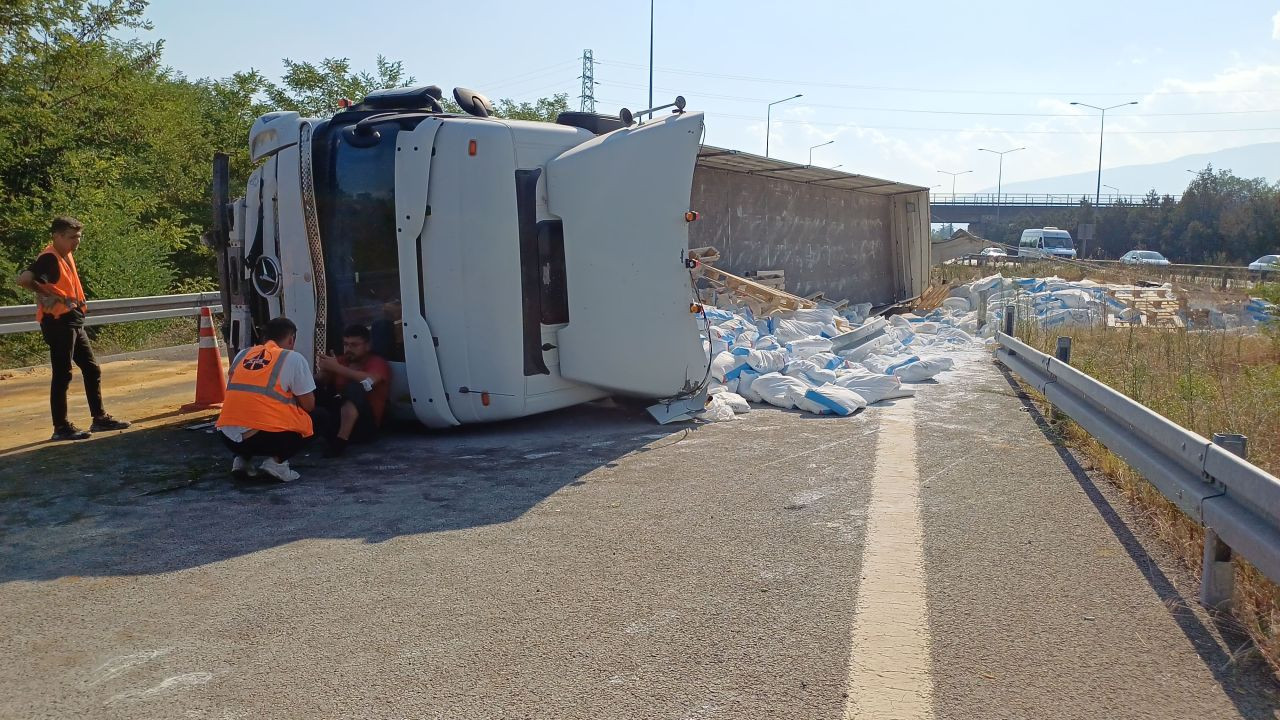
(1219, 276)
(20, 318)
(1237, 503)
(1040, 199)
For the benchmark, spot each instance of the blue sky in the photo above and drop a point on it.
(903, 89)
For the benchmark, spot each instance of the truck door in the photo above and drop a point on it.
(622, 200)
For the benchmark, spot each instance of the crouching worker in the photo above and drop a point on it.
(354, 391)
(265, 413)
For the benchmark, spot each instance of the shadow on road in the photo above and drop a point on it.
(1224, 663)
(161, 500)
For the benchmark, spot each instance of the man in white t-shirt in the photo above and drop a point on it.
(270, 393)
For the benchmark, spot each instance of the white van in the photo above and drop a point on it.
(1047, 242)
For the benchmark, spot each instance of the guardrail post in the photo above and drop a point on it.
(1063, 351)
(1008, 320)
(1217, 574)
(982, 309)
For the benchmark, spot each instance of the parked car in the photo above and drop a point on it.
(1144, 257)
(993, 252)
(1270, 263)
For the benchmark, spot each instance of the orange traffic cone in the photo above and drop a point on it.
(211, 383)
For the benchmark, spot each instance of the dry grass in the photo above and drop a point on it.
(1207, 382)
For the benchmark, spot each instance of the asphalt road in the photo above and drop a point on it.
(937, 557)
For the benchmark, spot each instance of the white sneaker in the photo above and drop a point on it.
(243, 465)
(279, 471)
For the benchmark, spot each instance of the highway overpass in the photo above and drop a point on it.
(982, 207)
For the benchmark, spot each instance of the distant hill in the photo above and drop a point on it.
(1249, 161)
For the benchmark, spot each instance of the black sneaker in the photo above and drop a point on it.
(69, 432)
(335, 448)
(106, 422)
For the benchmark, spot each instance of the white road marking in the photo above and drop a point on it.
(889, 662)
(119, 664)
(177, 682)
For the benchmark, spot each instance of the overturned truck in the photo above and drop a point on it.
(505, 267)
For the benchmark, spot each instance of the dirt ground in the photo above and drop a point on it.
(147, 388)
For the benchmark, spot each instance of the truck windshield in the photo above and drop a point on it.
(355, 205)
(1057, 241)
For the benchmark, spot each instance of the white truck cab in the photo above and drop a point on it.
(504, 267)
(1047, 242)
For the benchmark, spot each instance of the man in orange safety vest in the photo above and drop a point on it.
(269, 394)
(60, 307)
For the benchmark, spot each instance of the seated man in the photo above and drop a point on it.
(269, 394)
(355, 390)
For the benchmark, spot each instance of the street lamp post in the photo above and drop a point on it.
(953, 179)
(651, 55)
(1111, 187)
(768, 119)
(1102, 127)
(817, 146)
(1000, 176)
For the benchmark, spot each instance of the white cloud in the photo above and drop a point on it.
(1275, 26)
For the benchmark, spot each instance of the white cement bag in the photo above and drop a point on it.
(787, 330)
(831, 400)
(810, 372)
(874, 387)
(805, 347)
(957, 304)
(767, 342)
(766, 361)
(1067, 317)
(1077, 299)
(958, 334)
(921, 370)
(824, 315)
(745, 381)
(885, 364)
(779, 390)
(986, 283)
(717, 410)
(736, 402)
(721, 364)
(827, 360)
(747, 339)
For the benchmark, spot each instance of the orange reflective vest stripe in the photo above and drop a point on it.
(68, 285)
(254, 396)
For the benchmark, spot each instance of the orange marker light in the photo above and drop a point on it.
(471, 150)
(695, 308)
(691, 216)
(484, 396)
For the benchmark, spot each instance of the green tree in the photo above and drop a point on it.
(543, 109)
(313, 89)
(73, 141)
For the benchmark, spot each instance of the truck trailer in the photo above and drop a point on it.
(504, 267)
